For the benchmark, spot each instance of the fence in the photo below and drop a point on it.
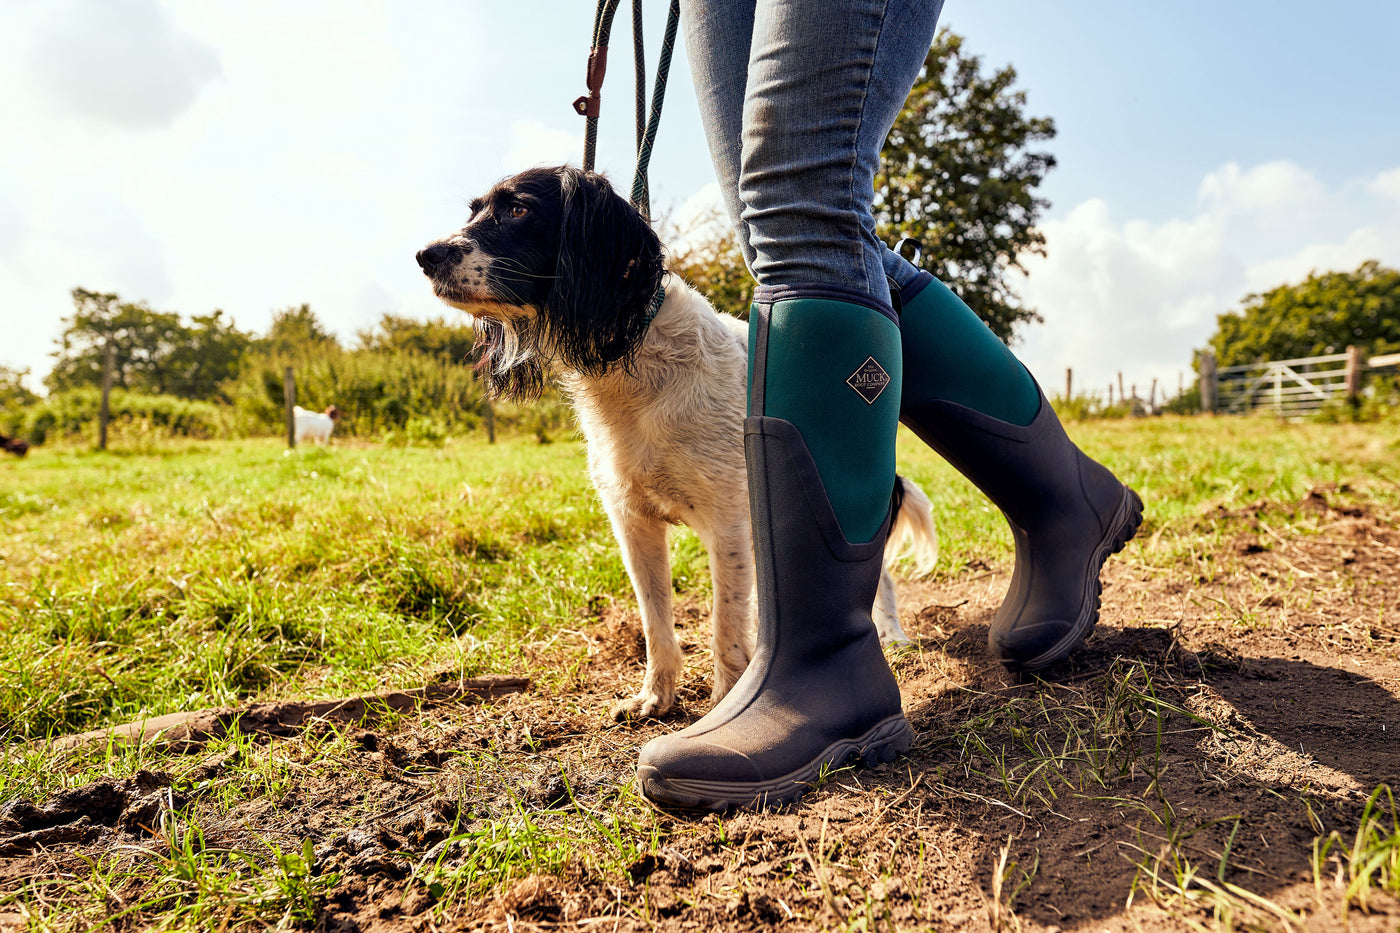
(1135, 399)
(1287, 388)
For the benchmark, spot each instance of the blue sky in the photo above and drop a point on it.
(255, 155)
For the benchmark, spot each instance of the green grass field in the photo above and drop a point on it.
(191, 575)
(211, 573)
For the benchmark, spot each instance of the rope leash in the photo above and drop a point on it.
(590, 104)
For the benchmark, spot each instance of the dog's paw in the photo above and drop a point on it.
(726, 676)
(890, 631)
(642, 706)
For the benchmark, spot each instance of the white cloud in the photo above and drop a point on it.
(1138, 296)
(122, 62)
(1271, 189)
(1387, 184)
(532, 143)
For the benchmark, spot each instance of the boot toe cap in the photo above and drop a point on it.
(1035, 646)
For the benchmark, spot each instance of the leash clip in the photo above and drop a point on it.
(589, 104)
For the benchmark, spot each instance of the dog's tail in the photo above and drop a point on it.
(913, 533)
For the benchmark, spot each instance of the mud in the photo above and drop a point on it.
(1228, 712)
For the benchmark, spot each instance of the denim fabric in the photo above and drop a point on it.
(797, 97)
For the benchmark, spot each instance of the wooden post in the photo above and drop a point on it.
(490, 419)
(1152, 398)
(1354, 370)
(1121, 397)
(1069, 384)
(1208, 385)
(104, 414)
(1110, 395)
(289, 400)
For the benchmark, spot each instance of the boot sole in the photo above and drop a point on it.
(1124, 526)
(887, 738)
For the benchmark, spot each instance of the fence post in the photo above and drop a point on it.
(1152, 398)
(289, 399)
(490, 419)
(1122, 397)
(1354, 369)
(1069, 385)
(1208, 384)
(104, 414)
(1110, 395)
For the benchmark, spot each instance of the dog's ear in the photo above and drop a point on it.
(609, 269)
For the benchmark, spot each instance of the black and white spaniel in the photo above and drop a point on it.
(563, 277)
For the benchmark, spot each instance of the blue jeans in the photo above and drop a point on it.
(797, 97)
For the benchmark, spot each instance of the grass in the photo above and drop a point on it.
(188, 575)
(216, 573)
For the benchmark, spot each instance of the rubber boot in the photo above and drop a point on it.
(981, 410)
(819, 445)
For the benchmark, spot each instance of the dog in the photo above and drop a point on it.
(313, 425)
(562, 278)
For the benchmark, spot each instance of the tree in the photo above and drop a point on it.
(153, 351)
(708, 256)
(142, 340)
(203, 365)
(297, 332)
(1321, 315)
(956, 174)
(13, 392)
(436, 338)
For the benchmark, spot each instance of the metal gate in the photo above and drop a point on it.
(1285, 388)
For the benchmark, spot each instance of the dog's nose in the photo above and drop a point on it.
(432, 257)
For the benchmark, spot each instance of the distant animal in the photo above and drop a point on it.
(14, 445)
(314, 425)
(562, 276)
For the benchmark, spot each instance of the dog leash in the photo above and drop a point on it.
(590, 104)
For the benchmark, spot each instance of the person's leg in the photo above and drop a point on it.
(718, 36)
(967, 396)
(825, 81)
(954, 365)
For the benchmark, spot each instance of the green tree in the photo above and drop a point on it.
(436, 338)
(297, 333)
(1321, 315)
(142, 340)
(204, 365)
(958, 175)
(708, 256)
(13, 392)
(154, 352)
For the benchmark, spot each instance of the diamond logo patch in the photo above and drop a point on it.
(870, 380)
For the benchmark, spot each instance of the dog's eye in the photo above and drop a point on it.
(519, 210)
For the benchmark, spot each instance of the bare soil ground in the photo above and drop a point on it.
(1228, 712)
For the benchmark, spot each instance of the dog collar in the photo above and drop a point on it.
(655, 307)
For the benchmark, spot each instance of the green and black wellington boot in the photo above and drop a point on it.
(970, 399)
(824, 389)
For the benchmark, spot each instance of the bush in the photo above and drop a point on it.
(375, 392)
(75, 413)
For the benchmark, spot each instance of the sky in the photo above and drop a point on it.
(253, 156)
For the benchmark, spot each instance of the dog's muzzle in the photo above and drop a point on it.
(438, 256)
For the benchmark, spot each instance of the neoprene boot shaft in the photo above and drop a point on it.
(1067, 512)
(818, 689)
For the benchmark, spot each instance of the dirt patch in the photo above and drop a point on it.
(1229, 714)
